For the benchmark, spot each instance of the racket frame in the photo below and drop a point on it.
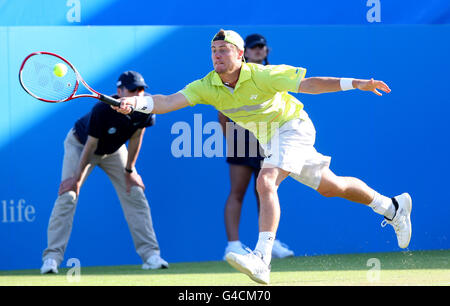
(94, 94)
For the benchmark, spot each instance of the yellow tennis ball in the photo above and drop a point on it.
(60, 70)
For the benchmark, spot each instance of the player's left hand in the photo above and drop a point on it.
(133, 179)
(373, 86)
(69, 184)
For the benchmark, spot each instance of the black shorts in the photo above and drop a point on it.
(253, 162)
(248, 157)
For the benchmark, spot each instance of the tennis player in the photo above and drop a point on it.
(243, 163)
(98, 139)
(256, 97)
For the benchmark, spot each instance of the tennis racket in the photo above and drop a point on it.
(37, 77)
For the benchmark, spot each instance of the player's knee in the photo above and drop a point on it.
(237, 197)
(237, 193)
(69, 197)
(265, 185)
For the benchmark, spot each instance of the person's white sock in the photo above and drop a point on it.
(265, 245)
(383, 206)
(235, 243)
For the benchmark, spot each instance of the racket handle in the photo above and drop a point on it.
(109, 100)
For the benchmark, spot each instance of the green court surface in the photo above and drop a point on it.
(428, 268)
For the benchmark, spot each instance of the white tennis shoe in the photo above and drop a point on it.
(281, 250)
(155, 262)
(49, 266)
(250, 264)
(402, 220)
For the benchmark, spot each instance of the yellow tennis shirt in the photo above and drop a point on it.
(259, 102)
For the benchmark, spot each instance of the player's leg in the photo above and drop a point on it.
(240, 176)
(61, 219)
(268, 181)
(136, 211)
(255, 189)
(257, 264)
(396, 210)
(316, 174)
(280, 249)
(349, 188)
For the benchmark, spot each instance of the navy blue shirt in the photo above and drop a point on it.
(112, 129)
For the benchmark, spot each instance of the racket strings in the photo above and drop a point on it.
(39, 79)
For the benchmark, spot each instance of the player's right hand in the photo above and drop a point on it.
(373, 86)
(127, 104)
(133, 179)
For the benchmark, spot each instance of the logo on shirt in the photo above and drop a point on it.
(253, 97)
(112, 130)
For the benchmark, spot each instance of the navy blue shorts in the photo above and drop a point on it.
(251, 160)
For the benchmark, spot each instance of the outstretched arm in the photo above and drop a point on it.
(156, 104)
(318, 85)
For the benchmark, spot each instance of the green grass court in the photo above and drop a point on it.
(428, 268)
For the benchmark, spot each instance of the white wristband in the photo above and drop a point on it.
(346, 84)
(144, 104)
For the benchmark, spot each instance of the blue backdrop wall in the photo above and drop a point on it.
(206, 12)
(395, 143)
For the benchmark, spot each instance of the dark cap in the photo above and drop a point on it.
(254, 40)
(131, 80)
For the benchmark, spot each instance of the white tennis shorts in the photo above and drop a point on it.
(292, 149)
